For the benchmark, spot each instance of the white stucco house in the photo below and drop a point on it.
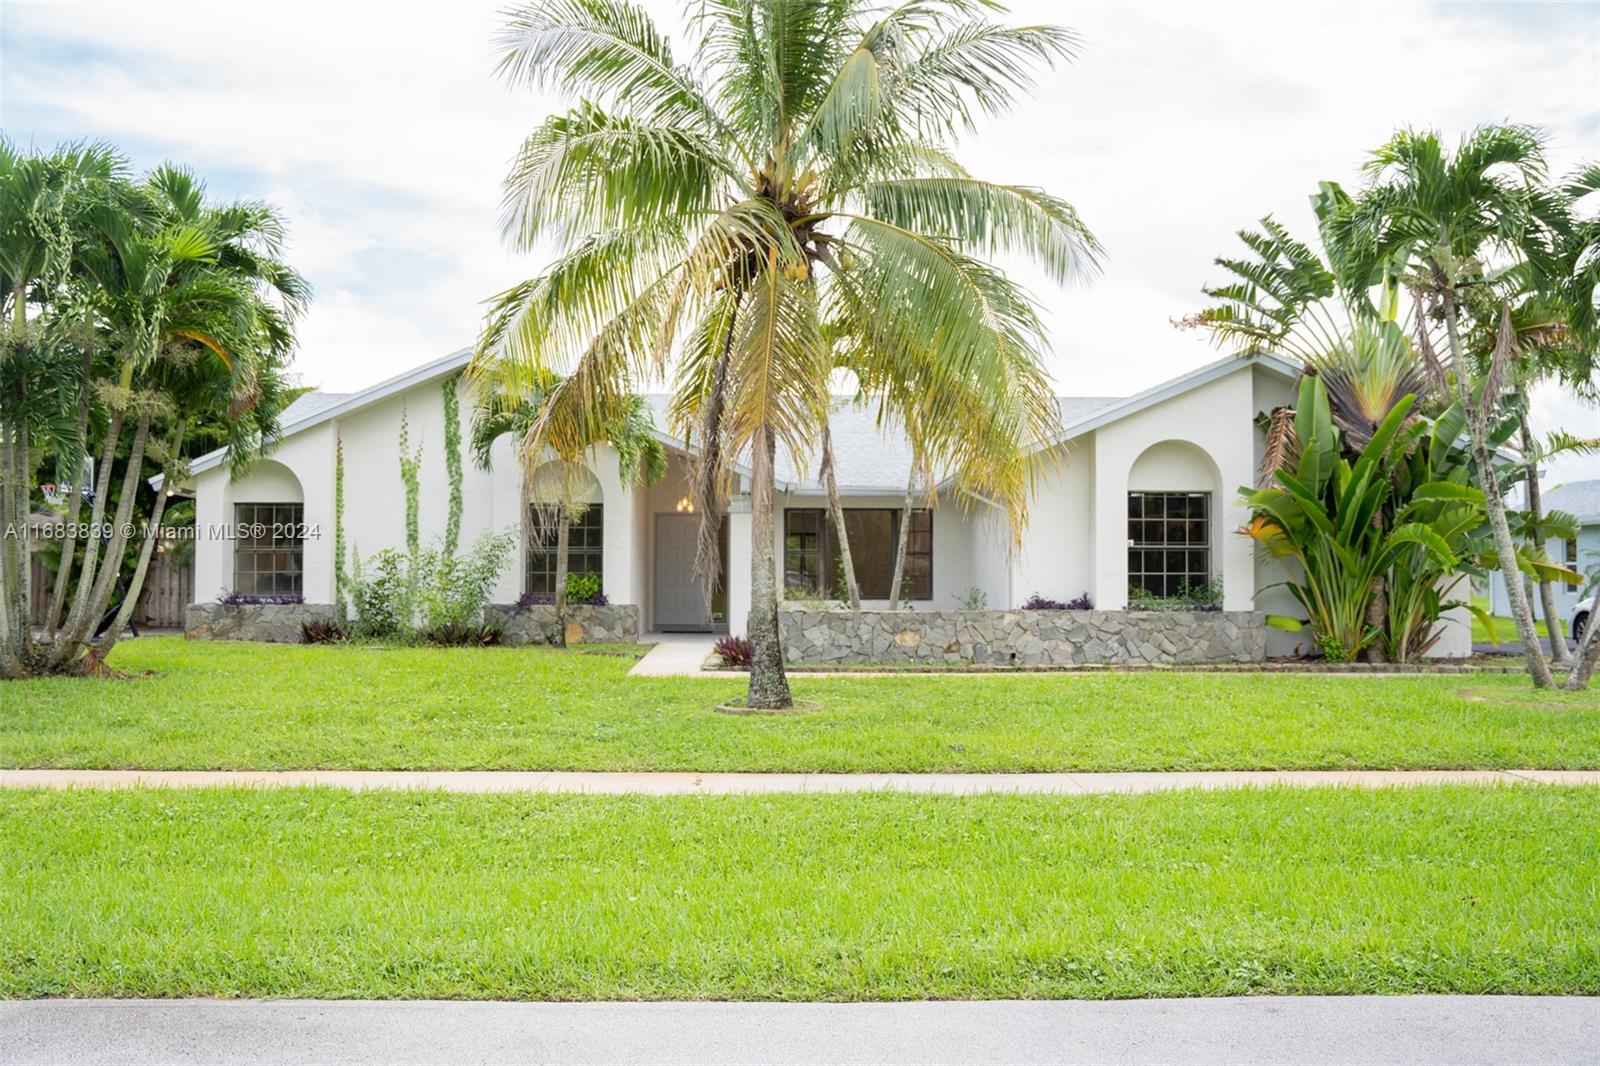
(1139, 489)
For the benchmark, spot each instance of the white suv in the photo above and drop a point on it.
(1578, 620)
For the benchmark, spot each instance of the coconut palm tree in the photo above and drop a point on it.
(709, 216)
(514, 404)
(1475, 228)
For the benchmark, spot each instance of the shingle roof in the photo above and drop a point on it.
(1581, 498)
(871, 459)
(309, 404)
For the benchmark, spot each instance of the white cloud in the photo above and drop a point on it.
(382, 132)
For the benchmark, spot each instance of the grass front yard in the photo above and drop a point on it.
(328, 894)
(250, 706)
(1505, 629)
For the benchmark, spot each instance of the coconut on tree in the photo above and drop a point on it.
(709, 217)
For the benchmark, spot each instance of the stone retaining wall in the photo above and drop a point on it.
(275, 623)
(616, 623)
(1026, 638)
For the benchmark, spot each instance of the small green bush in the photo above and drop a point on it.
(455, 589)
(1207, 597)
(403, 597)
(381, 591)
(583, 588)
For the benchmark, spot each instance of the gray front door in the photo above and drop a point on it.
(679, 599)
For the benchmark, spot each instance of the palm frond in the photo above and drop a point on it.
(608, 50)
(586, 170)
(984, 218)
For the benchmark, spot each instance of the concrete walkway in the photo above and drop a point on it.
(676, 655)
(1264, 1029)
(677, 784)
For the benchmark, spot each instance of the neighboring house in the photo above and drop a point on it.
(1141, 489)
(1582, 500)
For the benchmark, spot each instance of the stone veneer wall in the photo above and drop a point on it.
(1023, 638)
(616, 623)
(276, 623)
(279, 623)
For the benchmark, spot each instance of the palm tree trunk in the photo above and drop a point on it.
(769, 687)
(1477, 429)
(16, 561)
(78, 629)
(93, 662)
(563, 544)
(1378, 615)
(904, 541)
(15, 620)
(69, 547)
(836, 512)
(1547, 591)
(1588, 650)
(91, 543)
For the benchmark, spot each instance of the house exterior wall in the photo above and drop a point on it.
(1056, 558)
(299, 471)
(1567, 596)
(992, 554)
(1199, 437)
(374, 513)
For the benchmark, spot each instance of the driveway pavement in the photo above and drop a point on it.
(1310, 1030)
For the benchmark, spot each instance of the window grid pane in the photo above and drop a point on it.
(811, 551)
(270, 564)
(1169, 541)
(802, 553)
(585, 551)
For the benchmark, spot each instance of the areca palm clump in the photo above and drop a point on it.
(708, 218)
(142, 321)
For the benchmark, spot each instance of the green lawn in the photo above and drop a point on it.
(330, 894)
(1505, 630)
(251, 706)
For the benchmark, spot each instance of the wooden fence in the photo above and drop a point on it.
(168, 591)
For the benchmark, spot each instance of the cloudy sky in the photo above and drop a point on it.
(381, 133)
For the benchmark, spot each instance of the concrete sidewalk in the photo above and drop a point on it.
(673, 784)
(1311, 1030)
